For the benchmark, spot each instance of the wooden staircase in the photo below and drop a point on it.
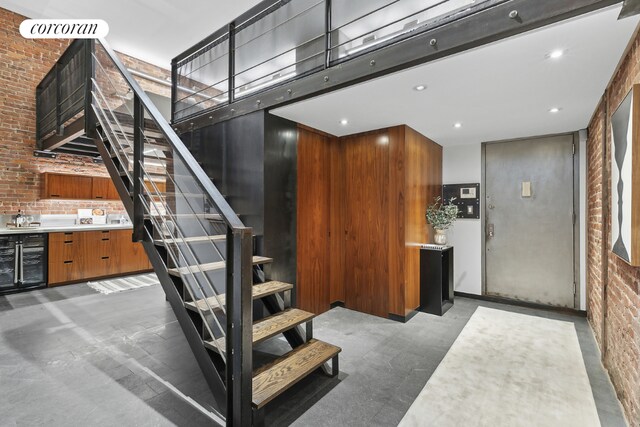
(200, 251)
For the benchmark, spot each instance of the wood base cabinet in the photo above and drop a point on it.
(84, 255)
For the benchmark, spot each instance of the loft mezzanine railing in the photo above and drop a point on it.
(281, 51)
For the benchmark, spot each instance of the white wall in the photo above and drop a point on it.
(463, 164)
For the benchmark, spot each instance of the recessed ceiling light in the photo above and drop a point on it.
(457, 125)
(420, 88)
(556, 54)
(555, 110)
(344, 122)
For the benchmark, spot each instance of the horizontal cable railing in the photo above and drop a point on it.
(177, 207)
(287, 40)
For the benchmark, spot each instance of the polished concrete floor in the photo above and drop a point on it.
(72, 357)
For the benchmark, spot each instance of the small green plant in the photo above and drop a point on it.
(441, 216)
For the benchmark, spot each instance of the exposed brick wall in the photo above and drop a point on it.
(23, 64)
(620, 307)
(595, 239)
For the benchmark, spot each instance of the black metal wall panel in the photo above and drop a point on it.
(281, 159)
(252, 159)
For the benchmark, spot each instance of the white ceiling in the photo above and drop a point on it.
(152, 30)
(500, 91)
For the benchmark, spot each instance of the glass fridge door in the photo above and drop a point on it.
(7, 266)
(33, 267)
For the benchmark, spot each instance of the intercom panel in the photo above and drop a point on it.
(467, 198)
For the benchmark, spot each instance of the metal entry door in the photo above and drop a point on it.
(529, 220)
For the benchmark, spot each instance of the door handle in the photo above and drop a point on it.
(16, 270)
(21, 263)
(490, 231)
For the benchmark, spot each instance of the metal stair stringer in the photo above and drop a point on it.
(192, 334)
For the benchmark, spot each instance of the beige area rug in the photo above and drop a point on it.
(508, 369)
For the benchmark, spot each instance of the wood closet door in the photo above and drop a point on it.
(314, 220)
(366, 223)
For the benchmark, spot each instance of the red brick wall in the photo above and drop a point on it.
(23, 64)
(619, 309)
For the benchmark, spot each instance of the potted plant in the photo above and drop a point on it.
(441, 216)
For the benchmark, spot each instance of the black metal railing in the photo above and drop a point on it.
(189, 193)
(282, 40)
(174, 205)
(63, 93)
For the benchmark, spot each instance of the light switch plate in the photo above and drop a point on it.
(526, 189)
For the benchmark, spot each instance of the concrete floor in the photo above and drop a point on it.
(72, 357)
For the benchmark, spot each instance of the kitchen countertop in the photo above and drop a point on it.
(66, 228)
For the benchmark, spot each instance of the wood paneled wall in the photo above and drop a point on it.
(366, 201)
(313, 204)
(361, 205)
(423, 183)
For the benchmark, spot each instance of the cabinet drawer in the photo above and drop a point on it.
(64, 271)
(98, 267)
(98, 244)
(64, 246)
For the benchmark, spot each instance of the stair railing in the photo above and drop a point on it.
(163, 211)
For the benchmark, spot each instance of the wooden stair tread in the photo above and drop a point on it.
(268, 327)
(213, 266)
(258, 291)
(273, 379)
(197, 239)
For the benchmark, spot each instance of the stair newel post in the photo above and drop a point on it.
(239, 326)
(90, 119)
(231, 85)
(138, 159)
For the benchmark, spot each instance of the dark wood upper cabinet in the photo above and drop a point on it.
(100, 188)
(77, 187)
(60, 186)
(112, 193)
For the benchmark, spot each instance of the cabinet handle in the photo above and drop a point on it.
(105, 257)
(99, 197)
(68, 241)
(54, 195)
(68, 262)
(105, 239)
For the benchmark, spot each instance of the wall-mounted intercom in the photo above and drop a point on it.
(467, 198)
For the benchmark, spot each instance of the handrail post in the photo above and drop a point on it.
(239, 327)
(138, 160)
(232, 63)
(59, 129)
(327, 34)
(38, 116)
(89, 114)
(174, 87)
